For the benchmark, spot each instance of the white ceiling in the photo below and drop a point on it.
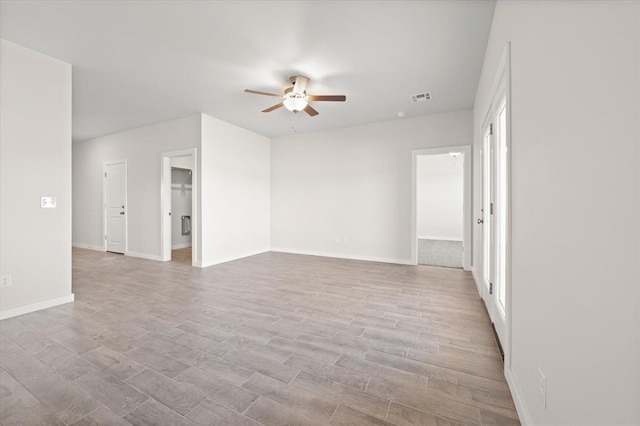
(142, 62)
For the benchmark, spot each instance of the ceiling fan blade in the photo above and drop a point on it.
(333, 98)
(309, 110)
(276, 106)
(255, 92)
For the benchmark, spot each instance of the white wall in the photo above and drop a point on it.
(141, 147)
(440, 184)
(353, 183)
(184, 162)
(181, 199)
(35, 161)
(235, 186)
(575, 205)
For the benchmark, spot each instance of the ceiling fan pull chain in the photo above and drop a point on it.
(294, 122)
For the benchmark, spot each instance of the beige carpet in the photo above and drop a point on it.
(440, 253)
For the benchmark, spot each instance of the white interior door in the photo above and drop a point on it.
(487, 219)
(495, 217)
(115, 190)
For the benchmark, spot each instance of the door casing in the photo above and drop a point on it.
(500, 317)
(165, 205)
(467, 243)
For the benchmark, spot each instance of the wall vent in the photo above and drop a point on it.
(421, 97)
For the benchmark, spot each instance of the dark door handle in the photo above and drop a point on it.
(480, 221)
(121, 212)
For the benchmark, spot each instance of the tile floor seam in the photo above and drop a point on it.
(386, 416)
(367, 385)
(335, 410)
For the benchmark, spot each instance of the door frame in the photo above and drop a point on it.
(500, 89)
(165, 204)
(467, 242)
(105, 164)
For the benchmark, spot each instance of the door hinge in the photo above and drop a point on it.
(105, 238)
(105, 174)
(490, 288)
(491, 208)
(491, 129)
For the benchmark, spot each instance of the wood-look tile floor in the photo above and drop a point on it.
(182, 255)
(272, 339)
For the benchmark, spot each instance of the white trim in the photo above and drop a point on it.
(501, 86)
(477, 281)
(344, 256)
(467, 202)
(32, 307)
(143, 255)
(180, 246)
(431, 237)
(229, 259)
(126, 201)
(516, 394)
(88, 246)
(518, 400)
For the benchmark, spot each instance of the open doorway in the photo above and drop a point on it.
(440, 192)
(179, 206)
(441, 207)
(181, 209)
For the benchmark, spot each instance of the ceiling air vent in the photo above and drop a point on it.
(421, 97)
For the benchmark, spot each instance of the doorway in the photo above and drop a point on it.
(179, 200)
(440, 193)
(447, 239)
(495, 220)
(115, 205)
(181, 209)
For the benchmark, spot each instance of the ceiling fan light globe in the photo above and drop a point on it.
(295, 104)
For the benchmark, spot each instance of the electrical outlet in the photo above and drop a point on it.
(6, 281)
(542, 388)
(338, 240)
(346, 240)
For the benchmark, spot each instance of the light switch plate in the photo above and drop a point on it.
(48, 202)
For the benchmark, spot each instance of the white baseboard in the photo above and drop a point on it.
(88, 246)
(518, 400)
(477, 280)
(143, 255)
(229, 259)
(37, 306)
(180, 246)
(344, 256)
(430, 237)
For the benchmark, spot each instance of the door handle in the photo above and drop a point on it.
(480, 221)
(121, 212)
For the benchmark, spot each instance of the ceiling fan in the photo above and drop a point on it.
(296, 99)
